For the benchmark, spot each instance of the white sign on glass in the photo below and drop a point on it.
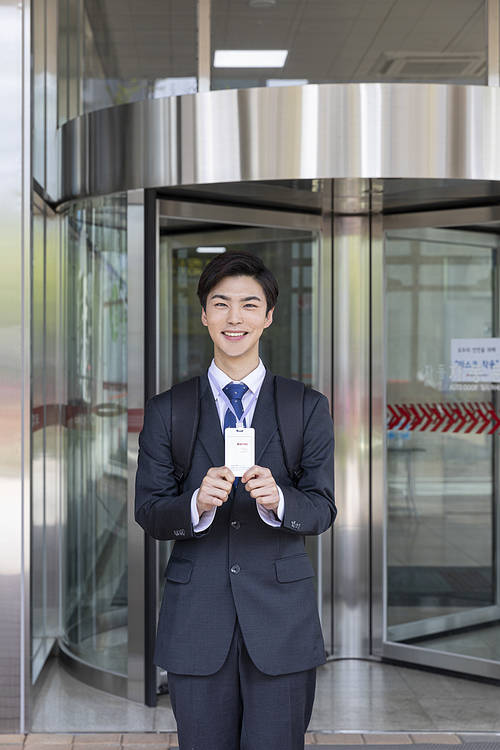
(475, 360)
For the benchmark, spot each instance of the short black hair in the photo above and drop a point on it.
(234, 263)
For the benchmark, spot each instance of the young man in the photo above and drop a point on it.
(239, 631)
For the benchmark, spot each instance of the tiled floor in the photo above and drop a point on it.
(352, 696)
(165, 740)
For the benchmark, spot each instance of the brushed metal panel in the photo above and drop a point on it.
(247, 215)
(351, 367)
(15, 196)
(365, 130)
(135, 395)
(451, 217)
(471, 665)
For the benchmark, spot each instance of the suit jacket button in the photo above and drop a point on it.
(235, 569)
(235, 524)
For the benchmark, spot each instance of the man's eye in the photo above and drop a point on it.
(250, 305)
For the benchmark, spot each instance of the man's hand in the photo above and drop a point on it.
(259, 482)
(214, 489)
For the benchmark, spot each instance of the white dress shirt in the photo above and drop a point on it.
(254, 382)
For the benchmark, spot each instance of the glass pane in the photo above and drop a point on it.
(441, 443)
(112, 53)
(185, 347)
(38, 31)
(45, 438)
(95, 607)
(38, 546)
(351, 41)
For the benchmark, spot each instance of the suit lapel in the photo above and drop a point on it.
(264, 418)
(209, 431)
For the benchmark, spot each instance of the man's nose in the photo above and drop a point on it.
(234, 315)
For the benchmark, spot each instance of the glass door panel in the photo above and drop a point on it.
(95, 617)
(442, 365)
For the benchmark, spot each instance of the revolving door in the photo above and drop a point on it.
(350, 227)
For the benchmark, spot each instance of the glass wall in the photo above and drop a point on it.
(443, 378)
(111, 52)
(44, 96)
(95, 551)
(349, 41)
(46, 438)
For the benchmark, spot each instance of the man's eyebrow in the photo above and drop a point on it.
(244, 299)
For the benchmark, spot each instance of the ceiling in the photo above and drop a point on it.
(328, 40)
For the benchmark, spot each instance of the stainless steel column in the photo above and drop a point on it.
(15, 193)
(135, 249)
(351, 378)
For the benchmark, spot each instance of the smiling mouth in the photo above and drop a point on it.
(234, 334)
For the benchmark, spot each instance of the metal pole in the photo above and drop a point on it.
(493, 21)
(204, 45)
(351, 383)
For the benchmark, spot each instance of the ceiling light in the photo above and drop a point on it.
(250, 58)
(286, 82)
(262, 3)
(210, 249)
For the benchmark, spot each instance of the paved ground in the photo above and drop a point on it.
(352, 696)
(164, 740)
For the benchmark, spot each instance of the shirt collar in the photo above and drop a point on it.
(253, 380)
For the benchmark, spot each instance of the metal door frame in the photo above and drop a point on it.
(143, 345)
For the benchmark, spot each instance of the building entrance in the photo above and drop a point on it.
(293, 244)
(387, 284)
(377, 310)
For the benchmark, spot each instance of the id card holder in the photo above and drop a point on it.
(240, 449)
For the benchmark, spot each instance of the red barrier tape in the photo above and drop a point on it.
(474, 416)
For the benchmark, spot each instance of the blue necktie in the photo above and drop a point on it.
(234, 392)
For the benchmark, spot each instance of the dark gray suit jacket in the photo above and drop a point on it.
(240, 566)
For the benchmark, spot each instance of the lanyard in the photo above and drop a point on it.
(220, 392)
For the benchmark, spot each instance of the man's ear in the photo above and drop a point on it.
(269, 318)
(204, 317)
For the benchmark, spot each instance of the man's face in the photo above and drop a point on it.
(235, 316)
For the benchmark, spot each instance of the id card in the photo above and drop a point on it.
(240, 449)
